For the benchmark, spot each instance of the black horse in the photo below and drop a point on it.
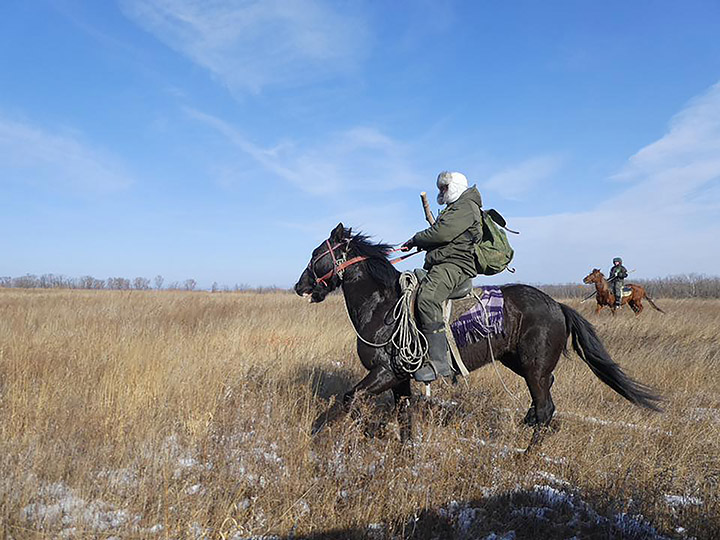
(536, 328)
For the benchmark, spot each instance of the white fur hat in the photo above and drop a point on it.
(456, 184)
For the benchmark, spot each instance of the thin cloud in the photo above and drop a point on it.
(359, 159)
(665, 221)
(685, 160)
(29, 154)
(518, 181)
(249, 45)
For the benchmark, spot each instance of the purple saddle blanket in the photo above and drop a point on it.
(482, 320)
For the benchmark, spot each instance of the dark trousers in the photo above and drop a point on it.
(441, 280)
(617, 287)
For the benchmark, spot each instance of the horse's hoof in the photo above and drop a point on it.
(530, 419)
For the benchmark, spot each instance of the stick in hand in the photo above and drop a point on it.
(426, 207)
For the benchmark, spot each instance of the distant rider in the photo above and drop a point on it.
(450, 261)
(617, 275)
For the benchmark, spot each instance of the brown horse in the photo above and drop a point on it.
(605, 297)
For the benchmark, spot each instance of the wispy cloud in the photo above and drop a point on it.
(30, 154)
(519, 180)
(666, 217)
(249, 45)
(358, 159)
(685, 159)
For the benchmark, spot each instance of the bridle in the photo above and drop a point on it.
(341, 263)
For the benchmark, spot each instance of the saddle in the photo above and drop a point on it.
(626, 290)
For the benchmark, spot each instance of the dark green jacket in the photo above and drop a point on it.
(452, 238)
(618, 272)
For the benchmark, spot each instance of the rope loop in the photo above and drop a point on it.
(411, 345)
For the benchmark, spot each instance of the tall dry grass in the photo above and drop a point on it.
(168, 414)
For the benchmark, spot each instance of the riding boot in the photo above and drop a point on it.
(438, 362)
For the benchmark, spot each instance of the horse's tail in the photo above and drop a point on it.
(588, 346)
(653, 303)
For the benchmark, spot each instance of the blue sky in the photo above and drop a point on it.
(223, 140)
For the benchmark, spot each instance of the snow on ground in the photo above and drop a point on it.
(552, 505)
(612, 423)
(705, 413)
(57, 507)
(682, 500)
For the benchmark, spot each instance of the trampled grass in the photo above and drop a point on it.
(167, 414)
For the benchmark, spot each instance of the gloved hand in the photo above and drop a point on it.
(407, 246)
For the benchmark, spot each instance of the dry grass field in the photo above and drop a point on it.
(187, 415)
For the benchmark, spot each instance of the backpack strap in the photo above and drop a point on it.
(497, 218)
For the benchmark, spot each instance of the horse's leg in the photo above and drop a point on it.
(514, 362)
(377, 381)
(538, 357)
(639, 305)
(402, 393)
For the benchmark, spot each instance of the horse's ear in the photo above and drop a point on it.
(338, 233)
(596, 269)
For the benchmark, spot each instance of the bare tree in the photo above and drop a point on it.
(159, 280)
(189, 284)
(141, 284)
(118, 283)
(215, 287)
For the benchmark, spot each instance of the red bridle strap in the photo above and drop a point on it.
(339, 268)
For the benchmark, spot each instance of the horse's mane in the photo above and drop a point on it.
(379, 266)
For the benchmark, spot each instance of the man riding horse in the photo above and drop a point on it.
(450, 261)
(618, 273)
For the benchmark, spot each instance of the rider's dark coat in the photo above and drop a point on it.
(450, 239)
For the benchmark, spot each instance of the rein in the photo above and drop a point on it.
(340, 264)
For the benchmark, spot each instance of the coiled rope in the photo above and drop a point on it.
(410, 344)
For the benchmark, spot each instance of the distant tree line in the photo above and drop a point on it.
(678, 286)
(56, 281)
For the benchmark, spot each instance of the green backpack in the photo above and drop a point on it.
(492, 250)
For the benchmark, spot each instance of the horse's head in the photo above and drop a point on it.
(320, 278)
(596, 276)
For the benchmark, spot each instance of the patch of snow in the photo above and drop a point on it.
(466, 517)
(119, 478)
(553, 496)
(187, 462)
(613, 423)
(550, 477)
(59, 505)
(304, 507)
(682, 500)
(198, 531)
(195, 489)
(506, 536)
(705, 413)
(635, 526)
(375, 531)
